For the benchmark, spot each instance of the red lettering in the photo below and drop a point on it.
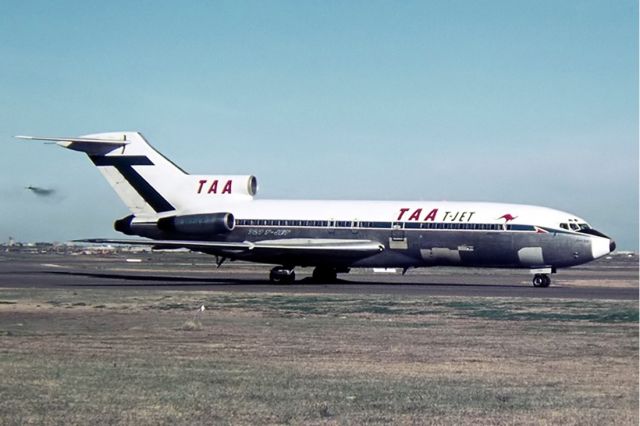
(201, 182)
(402, 212)
(415, 215)
(227, 187)
(214, 187)
(432, 215)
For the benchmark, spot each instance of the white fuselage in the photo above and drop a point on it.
(218, 214)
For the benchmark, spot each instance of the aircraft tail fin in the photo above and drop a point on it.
(148, 182)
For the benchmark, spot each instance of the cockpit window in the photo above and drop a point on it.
(575, 226)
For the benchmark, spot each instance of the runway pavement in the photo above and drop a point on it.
(615, 278)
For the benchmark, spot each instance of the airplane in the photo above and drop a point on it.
(40, 191)
(218, 215)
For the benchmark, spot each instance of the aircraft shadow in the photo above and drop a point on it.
(156, 280)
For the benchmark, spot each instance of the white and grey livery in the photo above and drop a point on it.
(218, 215)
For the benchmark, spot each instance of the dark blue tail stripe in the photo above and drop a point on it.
(124, 165)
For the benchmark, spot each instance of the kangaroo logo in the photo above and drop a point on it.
(508, 217)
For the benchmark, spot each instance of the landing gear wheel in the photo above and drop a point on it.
(290, 279)
(325, 274)
(280, 274)
(547, 281)
(541, 280)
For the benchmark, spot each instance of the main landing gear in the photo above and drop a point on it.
(324, 274)
(282, 274)
(321, 274)
(541, 280)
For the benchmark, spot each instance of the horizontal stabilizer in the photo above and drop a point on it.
(89, 145)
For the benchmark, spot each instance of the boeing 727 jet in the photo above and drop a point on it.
(218, 215)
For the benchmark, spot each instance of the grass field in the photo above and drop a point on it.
(108, 356)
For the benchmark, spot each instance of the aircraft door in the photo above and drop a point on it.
(398, 240)
(397, 231)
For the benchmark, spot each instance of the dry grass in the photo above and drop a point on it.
(191, 325)
(96, 356)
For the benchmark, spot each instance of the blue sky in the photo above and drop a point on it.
(510, 101)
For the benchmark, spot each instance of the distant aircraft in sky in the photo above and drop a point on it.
(218, 215)
(40, 191)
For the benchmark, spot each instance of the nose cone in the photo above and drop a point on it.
(601, 246)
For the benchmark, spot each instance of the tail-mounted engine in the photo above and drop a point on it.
(193, 224)
(206, 223)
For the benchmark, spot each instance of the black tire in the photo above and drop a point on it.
(289, 279)
(538, 280)
(546, 281)
(281, 274)
(541, 280)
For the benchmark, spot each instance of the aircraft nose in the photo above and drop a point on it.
(601, 246)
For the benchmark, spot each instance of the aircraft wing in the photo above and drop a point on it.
(173, 244)
(318, 247)
(296, 246)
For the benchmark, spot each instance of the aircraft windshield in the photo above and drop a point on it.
(575, 226)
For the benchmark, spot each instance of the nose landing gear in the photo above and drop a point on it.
(541, 280)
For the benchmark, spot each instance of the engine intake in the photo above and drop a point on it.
(205, 223)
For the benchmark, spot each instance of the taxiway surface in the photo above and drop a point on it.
(613, 278)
